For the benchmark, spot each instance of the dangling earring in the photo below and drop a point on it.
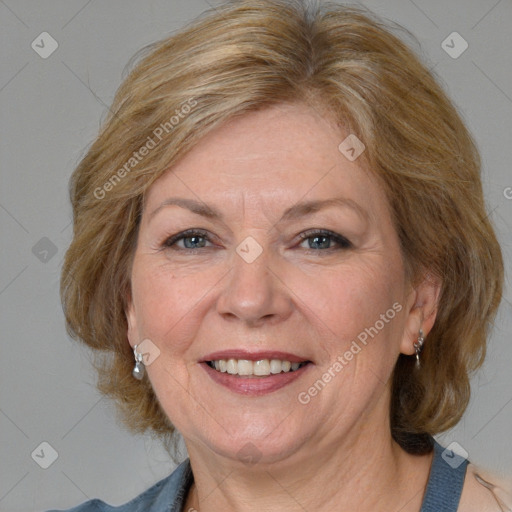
(138, 371)
(417, 347)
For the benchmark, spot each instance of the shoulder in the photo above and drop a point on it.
(484, 491)
(170, 490)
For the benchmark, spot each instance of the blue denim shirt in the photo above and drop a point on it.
(167, 495)
(442, 494)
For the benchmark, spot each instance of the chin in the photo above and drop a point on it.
(264, 443)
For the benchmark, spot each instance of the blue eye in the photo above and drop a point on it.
(318, 240)
(321, 239)
(192, 239)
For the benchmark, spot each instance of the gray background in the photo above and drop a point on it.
(51, 109)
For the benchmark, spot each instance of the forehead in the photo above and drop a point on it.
(279, 155)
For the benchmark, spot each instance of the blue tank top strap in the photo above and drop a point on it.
(445, 482)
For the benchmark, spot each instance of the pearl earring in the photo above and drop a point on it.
(418, 345)
(138, 370)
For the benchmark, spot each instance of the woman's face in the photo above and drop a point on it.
(290, 257)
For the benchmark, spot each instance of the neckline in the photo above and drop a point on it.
(442, 494)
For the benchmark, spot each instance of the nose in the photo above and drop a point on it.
(254, 293)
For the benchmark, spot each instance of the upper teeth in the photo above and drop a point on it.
(261, 367)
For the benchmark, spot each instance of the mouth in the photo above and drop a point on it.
(258, 368)
(254, 373)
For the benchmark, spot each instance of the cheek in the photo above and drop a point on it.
(346, 300)
(165, 305)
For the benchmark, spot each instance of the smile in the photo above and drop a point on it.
(259, 368)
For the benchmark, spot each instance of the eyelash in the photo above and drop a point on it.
(343, 243)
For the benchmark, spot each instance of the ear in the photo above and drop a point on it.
(131, 319)
(422, 306)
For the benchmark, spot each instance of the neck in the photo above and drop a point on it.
(364, 472)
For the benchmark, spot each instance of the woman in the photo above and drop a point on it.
(280, 244)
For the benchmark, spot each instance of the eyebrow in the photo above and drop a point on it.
(194, 206)
(305, 208)
(293, 212)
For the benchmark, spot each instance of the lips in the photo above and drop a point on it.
(254, 373)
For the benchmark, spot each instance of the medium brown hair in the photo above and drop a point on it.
(249, 54)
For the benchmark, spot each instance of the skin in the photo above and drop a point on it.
(336, 452)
